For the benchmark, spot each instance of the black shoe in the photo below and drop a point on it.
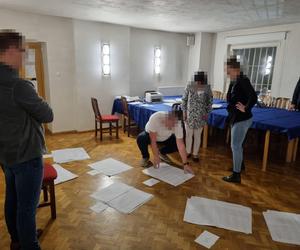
(39, 233)
(235, 177)
(195, 158)
(189, 156)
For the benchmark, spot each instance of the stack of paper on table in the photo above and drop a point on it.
(110, 167)
(221, 214)
(283, 227)
(122, 197)
(69, 154)
(63, 175)
(171, 175)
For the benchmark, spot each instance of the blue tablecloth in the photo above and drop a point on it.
(273, 119)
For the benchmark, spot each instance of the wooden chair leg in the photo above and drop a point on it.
(124, 123)
(101, 131)
(45, 193)
(117, 129)
(128, 128)
(96, 128)
(52, 200)
(110, 129)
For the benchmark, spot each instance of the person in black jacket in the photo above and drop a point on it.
(295, 105)
(241, 97)
(22, 143)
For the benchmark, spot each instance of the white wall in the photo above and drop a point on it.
(288, 56)
(194, 56)
(57, 35)
(174, 60)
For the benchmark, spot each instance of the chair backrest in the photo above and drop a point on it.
(148, 91)
(281, 102)
(217, 94)
(96, 108)
(124, 105)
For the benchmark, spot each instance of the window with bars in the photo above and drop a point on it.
(258, 65)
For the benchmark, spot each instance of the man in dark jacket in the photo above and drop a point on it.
(296, 98)
(241, 97)
(22, 143)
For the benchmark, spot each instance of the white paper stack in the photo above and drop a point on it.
(283, 227)
(171, 175)
(110, 167)
(69, 154)
(221, 214)
(63, 175)
(99, 207)
(122, 197)
(207, 239)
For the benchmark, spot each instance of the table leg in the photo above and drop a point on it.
(266, 150)
(295, 149)
(205, 136)
(289, 151)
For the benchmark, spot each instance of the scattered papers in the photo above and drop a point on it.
(63, 175)
(217, 106)
(171, 175)
(283, 227)
(69, 154)
(220, 214)
(93, 172)
(207, 239)
(122, 197)
(110, 167)
(129, 201)
(151, 182)
(99, 207)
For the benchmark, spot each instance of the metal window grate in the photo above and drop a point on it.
(258, 65)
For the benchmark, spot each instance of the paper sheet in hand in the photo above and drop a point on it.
(207, 239)
(151, 182)
(110, 167)
(171, 175)
(69, 154)
(63, 175)
(99, 207)
(283, 227)
(111, 192)
(129, 201)
(221, 214)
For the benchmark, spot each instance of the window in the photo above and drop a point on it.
(258, 66)
(105, 59)
(157, 60)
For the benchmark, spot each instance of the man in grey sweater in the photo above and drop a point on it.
(22, 143)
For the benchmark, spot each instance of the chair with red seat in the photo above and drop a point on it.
(50, 175)
(104, 119)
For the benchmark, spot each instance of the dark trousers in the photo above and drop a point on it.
(23, 187)
(167, 147)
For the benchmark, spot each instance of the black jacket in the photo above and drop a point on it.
(240, 91)
(296, 96)
(22, 112)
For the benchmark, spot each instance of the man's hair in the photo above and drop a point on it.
(232, 62)
(10, 38)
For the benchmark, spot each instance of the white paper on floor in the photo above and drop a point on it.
(283, 227)
(207, 239)
(171, 175)
(111, 192)
(122, 197)
(151, 182)
(220, 214)
(129, 201)
(99, 207)
(63, 175)
(93, 172)
(110, 167)
(47, 156)
(69, 154)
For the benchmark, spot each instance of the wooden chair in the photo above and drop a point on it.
(282, 102)
(127, 122)
(102, 119)
(217, 94)
(50, 175)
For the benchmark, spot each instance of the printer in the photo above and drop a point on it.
(154, 97)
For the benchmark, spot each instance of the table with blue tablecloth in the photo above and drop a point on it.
(267, 119)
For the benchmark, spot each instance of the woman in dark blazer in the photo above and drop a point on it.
(296, 98)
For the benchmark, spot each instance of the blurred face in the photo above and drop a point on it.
(232, 72)
(13, 57)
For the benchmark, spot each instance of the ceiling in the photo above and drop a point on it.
(169, 15)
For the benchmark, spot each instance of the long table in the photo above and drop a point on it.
(267, 119)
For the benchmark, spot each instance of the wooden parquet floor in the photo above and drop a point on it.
(159, 223)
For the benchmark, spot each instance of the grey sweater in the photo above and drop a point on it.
(22, 113)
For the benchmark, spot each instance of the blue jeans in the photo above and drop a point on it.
(23, 187)
(238, 134)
